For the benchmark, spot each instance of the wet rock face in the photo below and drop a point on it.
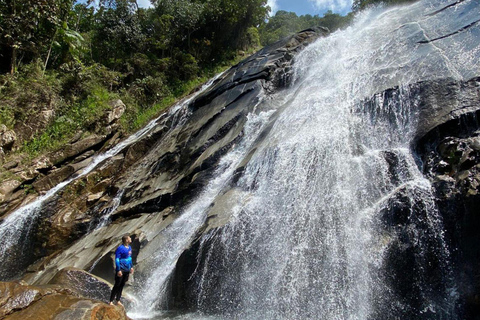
(179, 164)
(453, 165)
(447, 142)
(450, 156)
(83, 283)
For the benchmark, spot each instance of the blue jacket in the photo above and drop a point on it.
(123, 259)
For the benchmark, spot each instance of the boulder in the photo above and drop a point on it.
(83, 283)
(118, 109)
(66, 307)
(7, 139)
(77, 148)
(15, 296)
(7, 187)
(21, 301)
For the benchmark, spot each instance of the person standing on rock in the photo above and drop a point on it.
(123, 268)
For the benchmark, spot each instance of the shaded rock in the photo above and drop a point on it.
(10, 164)
(443, 101)
(83, 283)
(76, 148)
(115, 139)
(7, 139)
(54, 178)
(118, 108)
(7, 187)
(84, 156)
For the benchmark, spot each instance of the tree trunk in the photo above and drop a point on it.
(49, 52)
(13, 60)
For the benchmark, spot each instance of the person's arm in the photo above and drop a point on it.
(117, 262)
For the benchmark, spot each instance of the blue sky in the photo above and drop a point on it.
(312, 7)
(298, 6)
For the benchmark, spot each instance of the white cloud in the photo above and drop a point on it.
(334, 5)
(144, 3)
(273, 5)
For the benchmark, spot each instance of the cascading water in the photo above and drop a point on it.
(315, 234)
(16, 227)
(179, 235)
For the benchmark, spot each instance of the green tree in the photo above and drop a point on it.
(118, 33)
(227, 23)
(287, 23)
(68, 44)
(27, 27)
(334, 21)
(185, 17)
(279, 26)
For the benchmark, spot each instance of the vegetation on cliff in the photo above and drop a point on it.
(63, 62)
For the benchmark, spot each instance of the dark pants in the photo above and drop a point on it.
(118, 286)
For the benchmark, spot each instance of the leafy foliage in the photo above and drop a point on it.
(28, 26)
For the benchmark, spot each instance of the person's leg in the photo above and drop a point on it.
(124, 279)
(116, 287)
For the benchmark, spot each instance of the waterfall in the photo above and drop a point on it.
(17, 226)
(335, 219)
(177, 237)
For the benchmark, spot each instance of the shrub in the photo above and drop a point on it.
(149, 90)
(184, 67)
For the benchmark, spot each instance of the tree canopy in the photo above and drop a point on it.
(286, 23)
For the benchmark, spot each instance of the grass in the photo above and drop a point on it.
(80, 116)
